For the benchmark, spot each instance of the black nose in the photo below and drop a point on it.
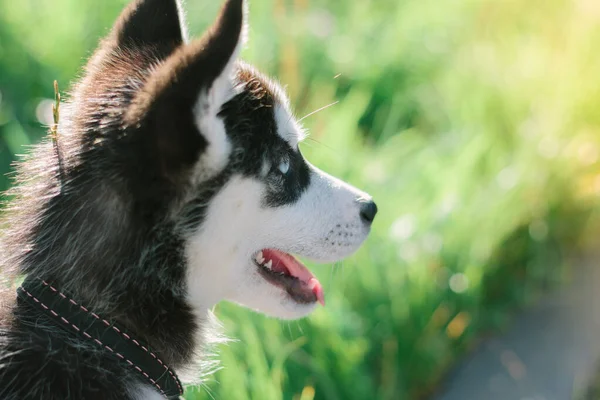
(367, 211)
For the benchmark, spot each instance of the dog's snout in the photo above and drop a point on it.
(368, 210)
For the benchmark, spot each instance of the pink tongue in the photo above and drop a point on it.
(283, 262)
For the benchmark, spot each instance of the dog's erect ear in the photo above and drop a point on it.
(157, 23)
(184, 94)
(198, 73)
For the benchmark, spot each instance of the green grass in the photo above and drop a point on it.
(474, 124)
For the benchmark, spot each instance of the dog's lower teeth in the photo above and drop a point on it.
(269, 264)
(260, 258)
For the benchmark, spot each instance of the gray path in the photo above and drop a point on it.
(550, 352)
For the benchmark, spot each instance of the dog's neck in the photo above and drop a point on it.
(152, 312)
(136, 280)
(39, 299)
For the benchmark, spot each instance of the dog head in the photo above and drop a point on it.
(183, 137)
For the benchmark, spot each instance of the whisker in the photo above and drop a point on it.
(331, 276)
(318, 110)
(310, 139)
(300, 327)
(334, 277)
(306, 143)
(208, 390)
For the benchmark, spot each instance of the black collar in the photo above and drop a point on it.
(77, 319)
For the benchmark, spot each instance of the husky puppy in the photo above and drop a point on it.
(175, 182)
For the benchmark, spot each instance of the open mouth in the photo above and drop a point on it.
(283, 270)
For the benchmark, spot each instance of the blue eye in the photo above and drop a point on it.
(284, 166)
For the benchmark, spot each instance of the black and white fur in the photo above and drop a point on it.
(176, 164)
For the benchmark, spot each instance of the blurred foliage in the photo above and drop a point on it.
(475, 126)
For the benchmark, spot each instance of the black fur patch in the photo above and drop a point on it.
(112, 231)
(109, 231)
(149, 23)
(250, 123)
